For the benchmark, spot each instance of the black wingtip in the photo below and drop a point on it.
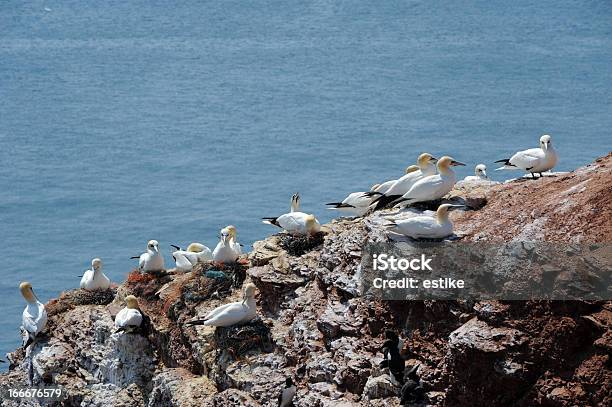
(194, 323)
(176, 247)
(135, 257)
(370, 194)
(385, 200)
(340, 205)
(28, 343)
(506, 161)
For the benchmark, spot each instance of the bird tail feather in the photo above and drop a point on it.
(270, 221)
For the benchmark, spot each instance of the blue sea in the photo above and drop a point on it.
(124, 121)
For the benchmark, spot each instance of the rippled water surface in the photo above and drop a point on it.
(126, 121)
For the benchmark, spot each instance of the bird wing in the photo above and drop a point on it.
(182, 261)
(403, 184)
(426, 189)
(418, 226)
(128, 317)
(292, 222)
(230, 314)
(384, 187)
(528, 158)
(34, 318)
(358, 200)
(204, 254)
(87, 277)
(142, 260)
(217, 310)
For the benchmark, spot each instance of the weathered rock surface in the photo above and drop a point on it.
(316, 328)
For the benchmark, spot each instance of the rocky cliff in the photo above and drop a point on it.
(315, 327)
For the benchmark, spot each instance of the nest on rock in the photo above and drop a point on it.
(239, 339)
(146, 285)
(235, 272)
(297, 245)
(72, 298)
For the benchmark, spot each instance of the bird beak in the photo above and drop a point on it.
(457, 163)
(485, 174)
(35, 296)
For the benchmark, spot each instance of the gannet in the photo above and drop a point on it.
(411, 168)
(298, 223)
(95, 279)
(430, 227)
(355, 204)
(295, 222)
(151, 260)
(480, 174)
(534, 160)
(434, 186)
(286, 395)
(232, 231)
(186, 259)
(225, 252)
(130, 316)
(425, 162)
(232, 313)
(34, 317)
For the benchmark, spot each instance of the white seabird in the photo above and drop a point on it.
(232, 313)
(430, 227)
(186, 259)
(285, 397)
(480, 174)
(355, 204)
(425, 162)
(534, 160)
(225, 252)
(34, 317)
(296, 222)
(434, 186)
(95, 279)
(232, 231)
(411, 168)
(130, 316)
(151, 260)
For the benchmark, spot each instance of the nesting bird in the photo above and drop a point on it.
(232, 313)
(226, 251)
(438, 226)
(295, 222)
(130, 316)
(233, 233)
(534, 160)
(151, 260)
(355, 204)
(286, 395)
(426, 164)
(432, 187)
(95, 279)
(186, 259)
(480, 174)
(34, 317)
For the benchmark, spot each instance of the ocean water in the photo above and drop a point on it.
(122, 122)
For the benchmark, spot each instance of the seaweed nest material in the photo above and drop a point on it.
(298, 245)
(239, 339)
(72, 298)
